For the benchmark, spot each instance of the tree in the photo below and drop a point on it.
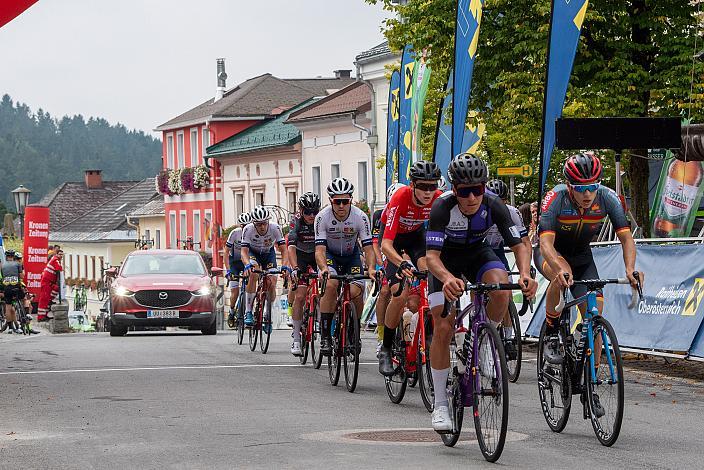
(635, 58)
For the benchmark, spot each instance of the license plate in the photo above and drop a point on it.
(162, 313)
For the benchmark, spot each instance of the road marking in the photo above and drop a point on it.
(131, 369)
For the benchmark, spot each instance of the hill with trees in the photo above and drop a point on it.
(41, 151)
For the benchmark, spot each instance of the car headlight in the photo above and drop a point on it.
(205, 290)
(123, 291)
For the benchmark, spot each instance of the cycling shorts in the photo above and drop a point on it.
(583, 267)
(501, 253)
(341, 265)
(471, 264)
(411, 244)
(265, 260)
(236, 268)
(305, 261)
(13, 292)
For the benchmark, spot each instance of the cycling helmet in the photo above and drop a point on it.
(309, 200)
(392, 190)
(467, 168)
(18, 255)
(244, 218)
(9, 253)
(499, 188)
(583, 168)
(339, 187)
(260, 214)
(424, 170)
(442, 184)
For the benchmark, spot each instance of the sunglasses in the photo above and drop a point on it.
(310, 212)
(580, 188)
(260, 224)
(341, 202)
(426, 186)
(465, 191)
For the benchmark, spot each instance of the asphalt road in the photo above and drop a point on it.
(189, 401)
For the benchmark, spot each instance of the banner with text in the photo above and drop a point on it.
(405, 137)
(36, 245)
(392, 130)
(421, 79)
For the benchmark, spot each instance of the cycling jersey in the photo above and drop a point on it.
(262, 243)
(402, 215)
(234, 243)
(574, 229)
(494, 238)
(11, 271)
(340, 237)
(301, 235)
(450, 229)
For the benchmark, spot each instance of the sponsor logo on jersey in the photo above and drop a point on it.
(514, 231)
(549, 197)
(484, 214)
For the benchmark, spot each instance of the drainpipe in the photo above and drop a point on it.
(372, 136)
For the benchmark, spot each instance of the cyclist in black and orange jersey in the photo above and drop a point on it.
(572, 214)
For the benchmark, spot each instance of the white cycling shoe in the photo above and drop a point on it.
(441, 419)
(296, 348)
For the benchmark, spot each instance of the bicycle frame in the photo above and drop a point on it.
(418, 341)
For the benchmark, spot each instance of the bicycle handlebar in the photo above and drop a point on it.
(594, 284)
(350, 278)
(416, 274)
(481, 288)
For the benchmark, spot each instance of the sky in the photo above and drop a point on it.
(143, 62)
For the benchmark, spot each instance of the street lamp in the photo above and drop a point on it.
(21, 196)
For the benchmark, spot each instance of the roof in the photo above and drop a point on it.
(71, 200)
(107, 221)
(273, 133)
(155, 207)
(259, 97)
(355, 98)
(375, 52)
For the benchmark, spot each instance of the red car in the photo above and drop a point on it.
(163, 288)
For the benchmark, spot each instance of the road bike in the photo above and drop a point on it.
(310, 324)
(591, 366)
(411, 359)
(478, 374)
(103, 288)
(238, 322)
(261, 329)
(80, 298)
(346, 342)
(513, 346)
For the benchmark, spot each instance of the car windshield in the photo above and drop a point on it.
(163, 264)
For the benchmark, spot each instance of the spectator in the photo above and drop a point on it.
(50, 285)
(529, 214)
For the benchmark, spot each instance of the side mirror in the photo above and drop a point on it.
(111, 272)
(216, 271)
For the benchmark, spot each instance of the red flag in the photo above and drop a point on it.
(12, 8)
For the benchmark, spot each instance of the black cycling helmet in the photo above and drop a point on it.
(582, 168)
(9, 253)
(424, 170)
(499, 188)
(310, 201)
(467, 168)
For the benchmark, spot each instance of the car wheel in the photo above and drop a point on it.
(117, 330)
(210, 330)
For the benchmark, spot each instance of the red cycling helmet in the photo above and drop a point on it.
(583, 168)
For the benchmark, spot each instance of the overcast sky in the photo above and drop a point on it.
(144, 62)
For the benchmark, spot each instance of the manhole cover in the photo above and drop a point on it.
(387, 437)
(398, 435)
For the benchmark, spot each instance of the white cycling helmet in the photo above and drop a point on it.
(260, 214)
(392, 190)
(244, 218)
(339, 187)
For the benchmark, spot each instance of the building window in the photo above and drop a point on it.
(147, 237)
(180, 152)
(170, 151)
(362, 180)
(172, 230)
(334, 171)
(194, 147)
(183, 232)
(207, 222)
(196, 229)
(316, 180)
(258, 198)
(206, 140)
(157, 239)
(239, 204)
(292, 202)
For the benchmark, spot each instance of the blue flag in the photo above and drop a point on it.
(392, 121)
(565, 26)
(406, 119)
(469, 18)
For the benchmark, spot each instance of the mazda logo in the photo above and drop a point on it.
(163, 295)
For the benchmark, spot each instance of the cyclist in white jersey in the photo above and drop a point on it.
(233, 262)
(258, 239)
(337, 229)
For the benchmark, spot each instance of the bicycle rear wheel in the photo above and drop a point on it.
(513, 346)
(305, 344)
(425, 377)
(608, 389)
(316, 356)
(491, 400)
(554, 389)
(265, 325)
(102, 291)
(256, 326)
(351, 348)
(335, 358)
(455, 400)
(396, 384)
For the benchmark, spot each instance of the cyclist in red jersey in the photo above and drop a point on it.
(404, 234)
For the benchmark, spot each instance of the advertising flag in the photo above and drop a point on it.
(469, 18)
(405, 121)
(421, 79)
(677, 198)
(565, 26)
(392, 121)
(36, 246)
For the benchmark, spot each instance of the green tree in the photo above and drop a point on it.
(635, 58)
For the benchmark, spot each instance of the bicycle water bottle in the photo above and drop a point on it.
(407, 316)
(414, 324)
(460, 350)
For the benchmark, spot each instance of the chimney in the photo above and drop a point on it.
(94, 179)
(342, 73)
(222, 76)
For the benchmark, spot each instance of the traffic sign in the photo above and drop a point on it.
(525, 171)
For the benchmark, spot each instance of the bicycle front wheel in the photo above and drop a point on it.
(513, 346)
(265, 325)
(102, 291)
(554, 389)
(425, 376)
(351, 348)
(305, 344)
(455, 400)
(606, 393)
(396, 384)
(491, 399)
(316, 356)
(239, 320)
(335, 358)
(257, 325)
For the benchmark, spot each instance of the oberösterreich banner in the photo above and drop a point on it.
(392, 121)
